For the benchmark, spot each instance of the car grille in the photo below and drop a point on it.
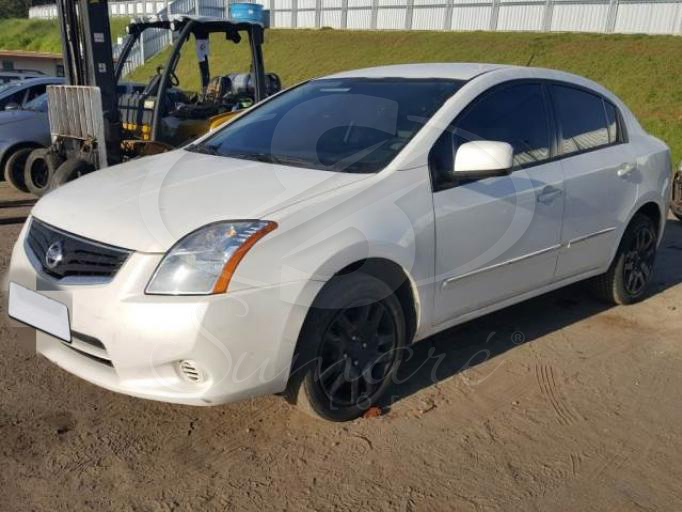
(60, 254)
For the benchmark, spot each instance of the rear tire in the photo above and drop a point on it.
(631, 271)
(14, 169)
(40, 166)
(70, 170)
(350, 347)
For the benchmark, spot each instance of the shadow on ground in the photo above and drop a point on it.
(454, 350)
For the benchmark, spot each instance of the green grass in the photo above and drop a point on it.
(645, 71)
(40, 35)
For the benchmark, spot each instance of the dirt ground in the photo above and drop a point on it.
(556, 404)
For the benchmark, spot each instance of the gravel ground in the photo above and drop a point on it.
(555, 404)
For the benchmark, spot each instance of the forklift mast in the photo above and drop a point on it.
(88, 57)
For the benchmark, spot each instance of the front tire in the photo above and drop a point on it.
(14, 169)
(631, 271)
(349, 349)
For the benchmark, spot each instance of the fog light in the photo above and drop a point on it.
(190, 371)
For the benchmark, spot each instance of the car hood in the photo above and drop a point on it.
(148, 204)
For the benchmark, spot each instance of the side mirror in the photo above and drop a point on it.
(12, 106)
(483, 158)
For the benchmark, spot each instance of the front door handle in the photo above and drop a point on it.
(548, 194)
(625, 169)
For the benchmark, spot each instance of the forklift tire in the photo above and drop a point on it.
(676, 208)
(14, 169)
(676, 203)
(69, 171)
(41, 164)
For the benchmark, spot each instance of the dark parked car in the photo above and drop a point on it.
(17, 94)
(22, 131)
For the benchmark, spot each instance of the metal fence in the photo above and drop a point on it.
(153, 41)
(620, 16)
(145, 7)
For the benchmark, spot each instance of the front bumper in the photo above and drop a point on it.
(240, 344)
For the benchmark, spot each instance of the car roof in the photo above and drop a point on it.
(466, 71)
(29, 81)
(450, 70)
(24, 83)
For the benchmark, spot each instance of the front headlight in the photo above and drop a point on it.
(203, 261)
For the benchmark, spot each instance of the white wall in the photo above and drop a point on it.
(624, 16)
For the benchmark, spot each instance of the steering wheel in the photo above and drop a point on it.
(174, 80)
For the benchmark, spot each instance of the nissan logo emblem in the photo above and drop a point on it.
(54, 255)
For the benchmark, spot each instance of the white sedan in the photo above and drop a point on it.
(305, 245)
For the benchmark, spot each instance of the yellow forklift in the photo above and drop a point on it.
(99, 120)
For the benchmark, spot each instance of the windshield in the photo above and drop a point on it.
(11, 85)
(39, 103)
(347, 124)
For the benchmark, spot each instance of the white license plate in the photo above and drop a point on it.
(36, 310)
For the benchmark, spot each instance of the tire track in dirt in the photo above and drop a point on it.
(604, 459)
(547, 382)
(630, 449)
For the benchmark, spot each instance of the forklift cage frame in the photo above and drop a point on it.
(199, 26)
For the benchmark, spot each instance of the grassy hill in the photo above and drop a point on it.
(645, 71)
(40, 35)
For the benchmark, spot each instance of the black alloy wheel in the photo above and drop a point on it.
(356, 353)
(639, 260)
(349, 348)
(632, 269)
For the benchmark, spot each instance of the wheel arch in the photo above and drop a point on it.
(387, 270)
(397, 279)
(652, 210)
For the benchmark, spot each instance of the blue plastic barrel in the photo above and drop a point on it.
(246, 12)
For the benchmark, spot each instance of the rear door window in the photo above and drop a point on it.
(582, 120)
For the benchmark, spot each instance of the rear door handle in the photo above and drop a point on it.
(625, 169)
(548, 194)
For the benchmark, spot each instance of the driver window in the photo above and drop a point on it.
(515, 114)
(36, 91)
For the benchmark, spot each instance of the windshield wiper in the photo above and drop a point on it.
(203, 149)
(258, 156)
(292, 161)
